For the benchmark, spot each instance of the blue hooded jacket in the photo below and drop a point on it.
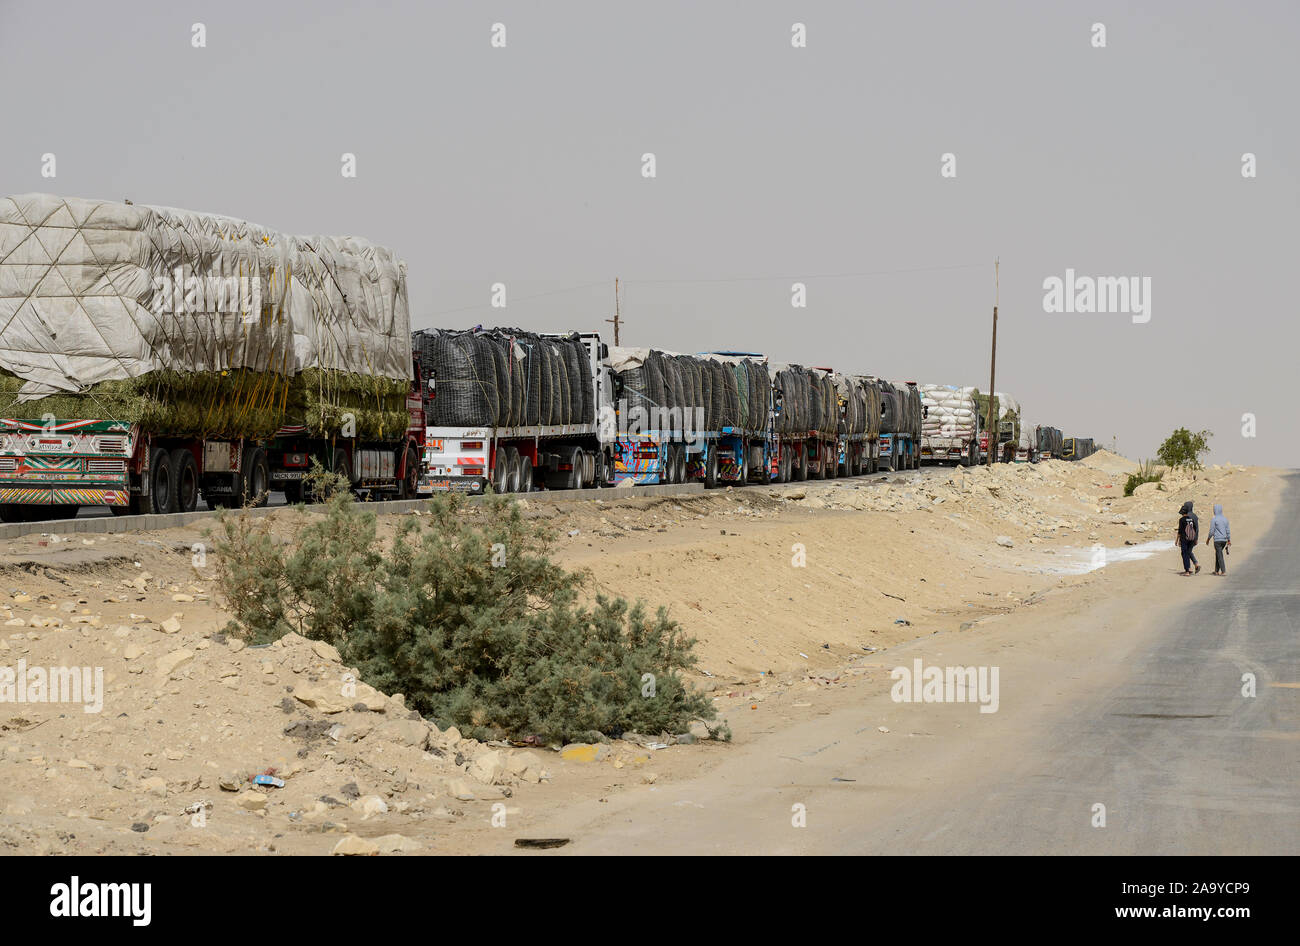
(1219, 531)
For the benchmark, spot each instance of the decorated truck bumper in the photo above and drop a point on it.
(64, 463)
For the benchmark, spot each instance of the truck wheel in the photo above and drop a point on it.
(667, 464)
(292, 492)
(409, 487)
(500, 471)
(254, 479)
(581, 468)
(185, 480)
(525, 474)
(801, 471)
(511, 482)
(683, 464)
(711, 467)
(604, 470)
(162, 484)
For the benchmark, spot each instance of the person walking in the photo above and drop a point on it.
(1221, 536)
(1189, 531)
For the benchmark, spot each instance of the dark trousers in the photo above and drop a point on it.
(1189, 554)
(1220, 559)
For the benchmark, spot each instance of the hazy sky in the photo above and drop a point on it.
(775, 164)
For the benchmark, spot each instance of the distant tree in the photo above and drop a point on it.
(1183, 448)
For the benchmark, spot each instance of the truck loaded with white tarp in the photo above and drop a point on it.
(149, 354)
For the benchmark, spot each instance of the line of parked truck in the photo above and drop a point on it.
(157, 357)
(656, 417)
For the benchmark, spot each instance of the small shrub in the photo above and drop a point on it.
(321, 484)
(1147, 473)
(465, 613)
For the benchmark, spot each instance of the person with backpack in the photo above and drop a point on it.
(1221, 536)
(1189, 531)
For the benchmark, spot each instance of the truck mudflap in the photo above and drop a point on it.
(473, 485)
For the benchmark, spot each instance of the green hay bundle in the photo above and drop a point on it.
(226, 405)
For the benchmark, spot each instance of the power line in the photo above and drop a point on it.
(536, 295)
(879, 272)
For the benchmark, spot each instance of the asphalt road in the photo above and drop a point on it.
(1125, 698)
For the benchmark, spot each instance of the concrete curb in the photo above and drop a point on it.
(109, 525)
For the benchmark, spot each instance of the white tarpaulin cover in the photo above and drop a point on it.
(94, 291)
(951, 411)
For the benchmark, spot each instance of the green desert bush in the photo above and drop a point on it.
(465, 613)
(1147, 473)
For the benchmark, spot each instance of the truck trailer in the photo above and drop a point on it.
(951, 432)
(180, 355)
(517, 411)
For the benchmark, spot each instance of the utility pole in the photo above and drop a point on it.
(993, 366)
(617, 322)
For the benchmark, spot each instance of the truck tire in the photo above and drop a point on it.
(573, 477)
(254, 479)
(409, 487)
(604, 470)
(511, 484)
(162, 482)
(801, 469)
(683, 464)
(185, 480)
(501, 470)
(293, 492)
(711, 467)
(525, 474)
